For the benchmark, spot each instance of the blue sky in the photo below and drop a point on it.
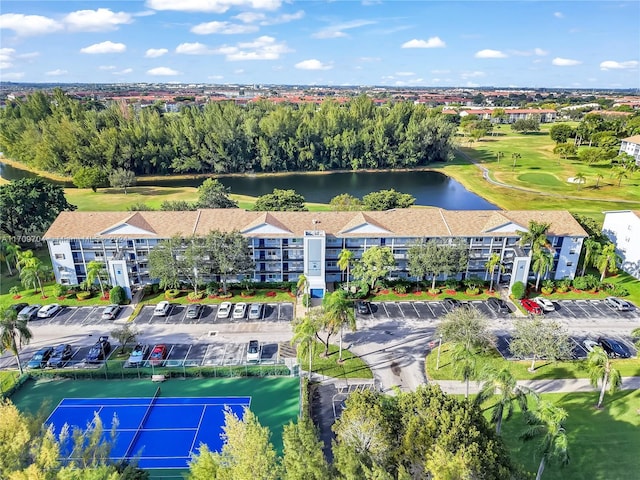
(346, 42)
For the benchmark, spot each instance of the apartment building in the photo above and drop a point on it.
(622, 227)
(631, 146)
(287, 244)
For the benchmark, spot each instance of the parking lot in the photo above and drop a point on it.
(81, 316)
(272, 312)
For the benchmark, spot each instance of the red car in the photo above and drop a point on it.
(158, 354)
(531, 306)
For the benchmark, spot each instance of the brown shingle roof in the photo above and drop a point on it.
(632, 139)
(411, 222)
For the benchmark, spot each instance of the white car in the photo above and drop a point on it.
(239, 310)
(224, 310)
(253, 351)
(162, 309)
(48, 310)
(546, 304)
(255, 311)
(590, 344)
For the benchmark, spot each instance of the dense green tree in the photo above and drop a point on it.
(122, 178)
(9, 252)
(560, 132)
(591, 155)
(280, 201)
(537, 338)
(302, 457)
(437, 258)
(117, 295)
(229, 255)
(526, 125)
(90, 177)
(213, 194)
(565, 150)
(125, 334)
(345, 202)
(387, 200)
(29, 206)
(376, 263)
(177, 206)
(601, 370)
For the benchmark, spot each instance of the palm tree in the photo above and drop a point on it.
(95, 270)
(547, 422)
(338, 311)
(25, 258)
(542, 263)
(9, 253)
(601, 369)
(599, 177)
(303, 286)
(344, 263)
(304, 335)
(492, 263)
(502, 383)
(607, 260)
(536, 236)
(620, 173)
(32, 274)
(591, 249)
(465, 364)
(580, 178)
(13, 334)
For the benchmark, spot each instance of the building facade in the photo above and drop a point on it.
(623, 229)
(285, 245)
(631, 146)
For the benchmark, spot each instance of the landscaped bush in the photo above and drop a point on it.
(171, 294)
(593, 282)
(562, 286)
(83, 295)
(616, 290)
(452, 284)
(60, 290)
(518, 290)
(434, 291)
(580, 283)
(400, 288)
(547, 287)
(117, 295)
(194, 297)
(15, 291)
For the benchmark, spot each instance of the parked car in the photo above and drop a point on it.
(158, 355)
(253, 351)
(29, 312)
(40, 358)
(18, 307)
(546, 304)
(617, 304)
(49, 310)
(531, 306)
(240, 310)
(138, 355)
(363, 307)
(498, 305)
(162, 309)
(111, 312)
(99, 351)
(589, 345)
(451, 303)
(613, 348)
(255, 311)
(60, 356)
(193, 310)
(224, 310)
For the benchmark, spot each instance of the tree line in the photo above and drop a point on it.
(60, 134)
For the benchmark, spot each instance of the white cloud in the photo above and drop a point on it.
(194, 49)
(475, 74)
(125, 71)
(433, 42)
(155, 52)
(215, 77)
(27, 25)
(558, 14)
(313, 64)
(107, 67)
(238, 71)
(565, 62)
(613, 65)
(6, 57)
(440, 72)
(104, 47)
(100, 20)
(540, 52)
(224, 28)
(262, 19)
(163, 71)
(56, 73)
(369, 59)
(336, 31)
(12, 76)
(250, 17)
(262, 48)
(405, 74)
(214, 6)
(488, 53)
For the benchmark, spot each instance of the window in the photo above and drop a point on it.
(56, 242)
(572, 251)
(569, 264)
(64, 281)
(61, 268)
(59, 256)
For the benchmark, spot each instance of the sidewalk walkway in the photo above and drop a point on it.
(567, 385)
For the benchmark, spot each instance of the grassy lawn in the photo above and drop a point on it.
(628, 367)
(603, 444)
(391, 296)
(261, 296)
(8, 378)
(7, 281)
(351, 367)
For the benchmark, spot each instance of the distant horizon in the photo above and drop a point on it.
(391, 44)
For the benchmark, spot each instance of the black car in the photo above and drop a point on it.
(18, 307)
(613, 348)
(60, 356)
(452, 303)
(363, 307)
(498, 305)
(99, 351)
(40, 358)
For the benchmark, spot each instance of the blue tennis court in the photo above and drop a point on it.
(158, 432)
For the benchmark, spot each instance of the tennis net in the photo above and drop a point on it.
(144, 419)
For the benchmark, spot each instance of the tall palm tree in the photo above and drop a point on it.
(607, 260)
(303, 286)
(344, 263)
(33, 273)
(503, 384)
(536, 236)
(13, 334)
(95, 271)
(542, 264)
(304, 335)
(9, 253)
(465, 364)
(491, 265)
(601, 369)
(338, 311)
(620, 173)
(599, 177)
(591, 249)
(580, 178)
(547, 423)
(25, 258)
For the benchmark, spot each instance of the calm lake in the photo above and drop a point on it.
(429, 188)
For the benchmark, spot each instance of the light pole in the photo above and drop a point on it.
(438, 358)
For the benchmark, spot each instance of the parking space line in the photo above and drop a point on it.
(206, 354)
(168, 315)
(413, 304)
(87, 316)
(187, 354)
